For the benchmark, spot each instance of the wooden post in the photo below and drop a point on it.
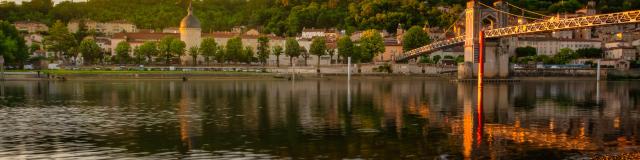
(480, 57)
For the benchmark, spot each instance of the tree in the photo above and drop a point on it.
(59, 41)
(525, 51)
(263, 49)
(414, 38)
(122, 52)
(12, 46)
(345, 47)
(247, 55)
(208, 49)
(331, 52)
(234, 49)
(90, 51)
(194, 52)
(277, 51)
(371, 44)
(305, 54)
(220, 54)
(292, 49)
(589, 53)
(178, 47)
(148, 49)
(34, 47)
(436, 59)
(564, 56)
(318, 48)
(138, 56)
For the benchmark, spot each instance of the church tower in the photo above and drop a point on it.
(190, 33)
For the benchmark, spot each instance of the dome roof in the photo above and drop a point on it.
(190, 21)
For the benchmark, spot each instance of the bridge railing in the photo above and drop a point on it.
(566, 24)
(432, 47)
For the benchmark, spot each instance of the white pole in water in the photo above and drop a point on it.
(598, 72)
(349, 84)
(349, 69)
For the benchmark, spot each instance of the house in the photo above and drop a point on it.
(108, 28)
(31, 27)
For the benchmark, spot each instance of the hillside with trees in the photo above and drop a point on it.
(282, 17)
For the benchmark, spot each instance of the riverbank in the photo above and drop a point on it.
(214, 75)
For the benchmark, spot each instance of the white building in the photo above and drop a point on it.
(551, 46)
(108, 28)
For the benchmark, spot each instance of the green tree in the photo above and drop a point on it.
(59, 41)
(589, 53)
(12, 46)
(345, 47)
(122, 52)
(247, 55)
(194, 52)
(234, 49)
(525, 51)
(564, 56)
(90, 51)
(414, 38)
(263, 49)
(318, 48)
(277, 51)
(292, 49)
(178, 47)
(137, 55)
(148, 50)
(34, 47)
(305, 54)
(220, 54)
(371, 44)
(436, 59)
(208, 49)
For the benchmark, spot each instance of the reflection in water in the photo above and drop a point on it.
(379, 119)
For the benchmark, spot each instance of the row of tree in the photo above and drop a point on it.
(528, 54)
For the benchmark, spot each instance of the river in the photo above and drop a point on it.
(316, 119)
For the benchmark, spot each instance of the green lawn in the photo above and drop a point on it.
(65, 72)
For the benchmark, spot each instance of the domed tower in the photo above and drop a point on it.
(190, 32)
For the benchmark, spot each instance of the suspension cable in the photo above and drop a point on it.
(527, 10)
(497, 10)
(453, 24)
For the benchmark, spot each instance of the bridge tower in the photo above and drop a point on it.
(496, 63)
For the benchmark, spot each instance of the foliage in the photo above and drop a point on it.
(263, 49)
(589, 53)
(565, 6)
(59, 40)
(459, 59)
(425, 59)
(148, 50)
(371, 44)
(12, 46)
(345, 48)
(564, 56)
(436, 59)
(414, 38)
(526, 51)
(318, 47)
(234, 51)
(208, 49)
(277, 51)
(122, 51)
(170, 47)
(292, 49)
(194, 52)
(247, 55)
(90, 51)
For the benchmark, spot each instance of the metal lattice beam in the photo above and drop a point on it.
(545, 26)
(567, 24)
(432, 47)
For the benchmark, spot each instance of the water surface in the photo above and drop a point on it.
(316, 119)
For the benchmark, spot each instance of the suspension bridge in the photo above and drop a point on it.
(501, 25)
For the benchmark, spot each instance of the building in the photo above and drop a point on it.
(31, 27)
(190, 33)
(550, 46)
(108, 28)
(620, 49)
